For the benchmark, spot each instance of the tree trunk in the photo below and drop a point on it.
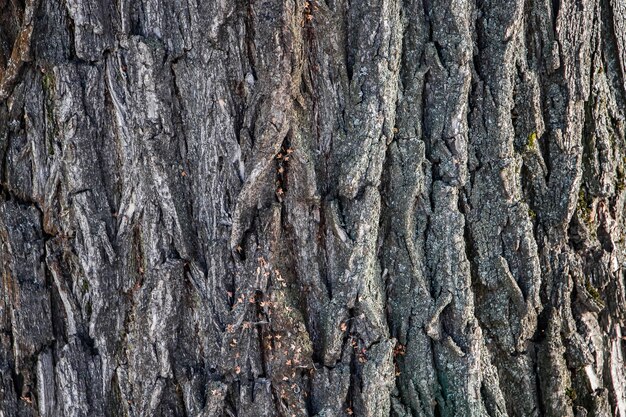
(312, 208)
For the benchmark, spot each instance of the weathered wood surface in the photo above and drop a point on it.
(325, 208)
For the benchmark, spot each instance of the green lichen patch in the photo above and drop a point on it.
(593, 292)
(571, 393)
(584, 208)
(532, 140)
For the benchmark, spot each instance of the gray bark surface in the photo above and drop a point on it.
(312, 208)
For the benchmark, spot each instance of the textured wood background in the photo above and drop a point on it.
(312, 208)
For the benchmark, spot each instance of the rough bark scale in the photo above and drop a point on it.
(289, 208)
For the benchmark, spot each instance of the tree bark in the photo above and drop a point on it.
(312, 208)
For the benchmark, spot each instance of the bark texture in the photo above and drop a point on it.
(312, 208)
